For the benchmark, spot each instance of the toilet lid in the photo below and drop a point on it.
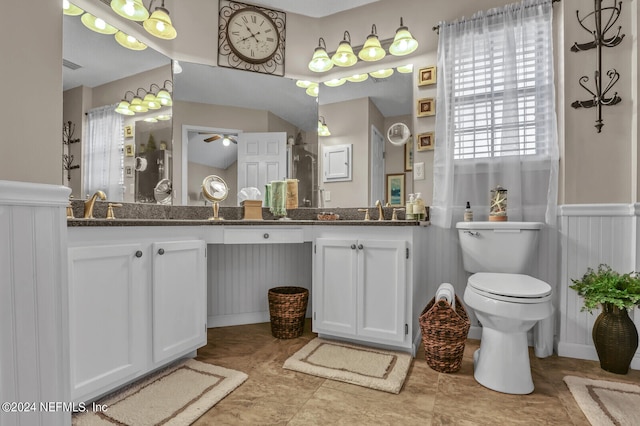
(509, 285)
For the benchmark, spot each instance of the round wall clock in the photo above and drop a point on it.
(251, 38)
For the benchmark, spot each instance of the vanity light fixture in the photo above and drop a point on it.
(164, 117)
(159, 23)
(163, 96)
(313, 90)
(71, 9)
(130, 9)
(372, 49)
(344, 56)
(403, 42)
(97, 24)
(130, 42)
(323, 130)
(150, 101)
(358, 78)
(405, 69)
(151, 119)
(123, 106)
(137, 105)
(335, 82)
(382, 73)
(303, 83)
(320, 62)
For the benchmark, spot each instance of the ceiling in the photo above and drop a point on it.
(312, 8)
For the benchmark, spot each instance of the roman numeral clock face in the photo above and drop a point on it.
(251, 38)
(252, 35)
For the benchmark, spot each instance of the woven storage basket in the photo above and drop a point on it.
(287, 308)
(444, 334)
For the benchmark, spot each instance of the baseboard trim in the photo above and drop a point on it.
(574, 350)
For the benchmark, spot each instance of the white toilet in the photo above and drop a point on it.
(506, 302)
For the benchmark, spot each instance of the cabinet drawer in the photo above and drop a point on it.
(263, 236)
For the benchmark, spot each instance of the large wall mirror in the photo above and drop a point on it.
(221, 115)
(359, 116)
(97, 73)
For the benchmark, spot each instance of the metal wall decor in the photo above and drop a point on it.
(599, 33)
(68, 129)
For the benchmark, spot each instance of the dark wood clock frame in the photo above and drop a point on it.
(275, 65)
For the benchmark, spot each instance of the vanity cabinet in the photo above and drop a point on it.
(136, 302)
(363, 288)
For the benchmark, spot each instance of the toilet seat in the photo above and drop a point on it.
(515, 288)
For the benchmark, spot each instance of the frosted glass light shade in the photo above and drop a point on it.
(323, 130)
(151, 120)
(129, 42)
(313, 90)
(71, 9)
(372, 50)
(164, 117)
(320, 62)
(164, 97)
(382, 73)
(151, 102)
(344, 56)
(97, 24)
(130, 9)
(403, 42)
(137, 105)
(159, 24)
(405, 69)
(358, 78)
(123, 108)
(303, 83)
(335, 82)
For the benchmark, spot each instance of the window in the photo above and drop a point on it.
(499, 108)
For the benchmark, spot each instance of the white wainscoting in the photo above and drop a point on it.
(33, 310)
(240, 276)
(591, 235)
(444, 260)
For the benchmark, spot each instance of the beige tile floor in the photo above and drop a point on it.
(274, 396)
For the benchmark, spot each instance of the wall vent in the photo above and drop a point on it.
(70, 65)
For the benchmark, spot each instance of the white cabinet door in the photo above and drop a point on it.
(106, 295)
(178, 298)
(359, 289)
(334, 286)
(382, 289)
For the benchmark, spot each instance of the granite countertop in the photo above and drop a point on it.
(135, 214)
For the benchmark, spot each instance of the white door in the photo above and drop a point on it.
(178, 298)
(382, 290)
(106, 316)
(262, 157)
(377, 166)
(334, 287)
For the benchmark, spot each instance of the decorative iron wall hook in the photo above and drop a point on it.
(68, 129)
(599, 33)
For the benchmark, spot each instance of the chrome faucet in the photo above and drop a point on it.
(380, 211)
(88, 205)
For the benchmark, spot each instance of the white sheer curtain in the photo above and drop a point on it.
(496, 116)
(103, 152)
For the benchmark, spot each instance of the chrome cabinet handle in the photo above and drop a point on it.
(139, 253)
(161, 251)
(265, 236)
(360, 246)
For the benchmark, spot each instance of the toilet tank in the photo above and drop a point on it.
(498, 246)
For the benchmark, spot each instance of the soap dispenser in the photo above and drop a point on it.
(418, 207)
(409, 209)
(468, 213)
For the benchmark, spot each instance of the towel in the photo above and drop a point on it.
(446, 291)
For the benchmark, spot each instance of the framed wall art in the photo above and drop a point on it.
(395, 189)
(128, 131)
(129, 150)
(426, 141)
(426, 107)
(426, 76)
(408, 155)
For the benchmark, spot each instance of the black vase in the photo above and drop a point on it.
(616, 339)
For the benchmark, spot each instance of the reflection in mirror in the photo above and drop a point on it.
(97, 73)
(215, 189)
(360, 114)
(398, 134)
(250, 108)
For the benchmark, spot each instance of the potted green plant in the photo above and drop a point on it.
(614, 334)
